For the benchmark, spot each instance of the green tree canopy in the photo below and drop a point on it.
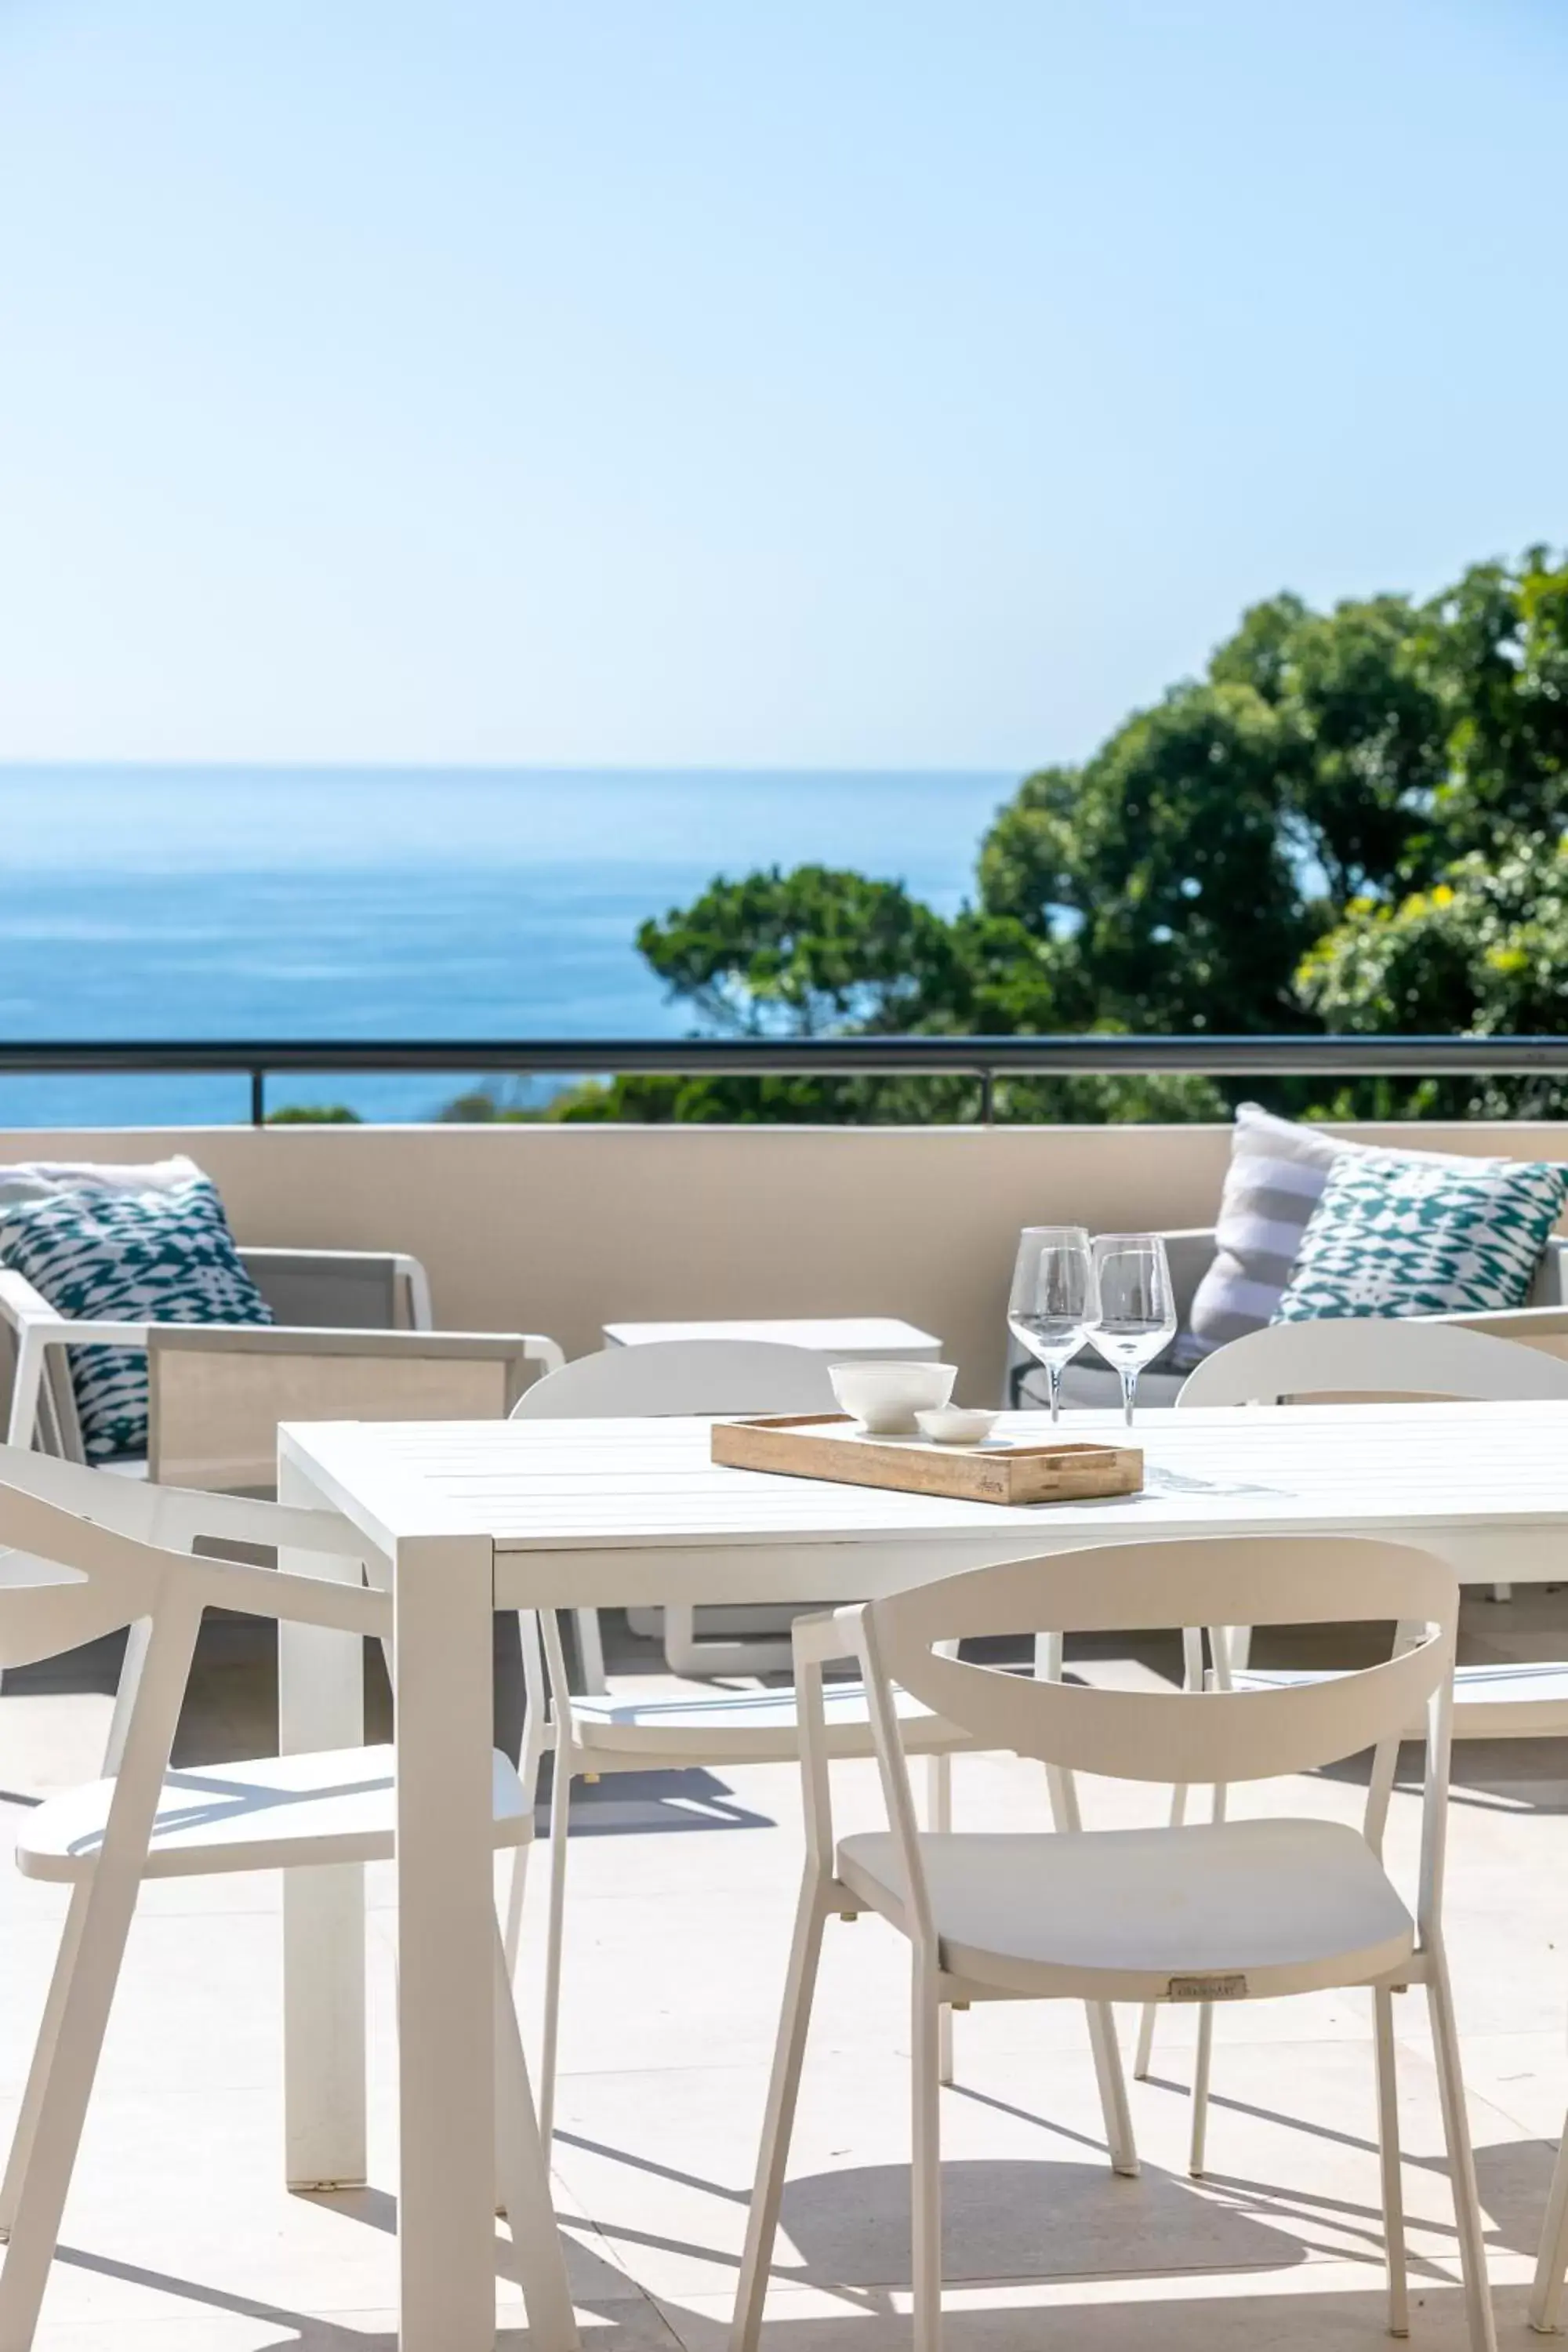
(822, 951)
(1495, 651)
(1163, 865)
(1484, 950)
(1351, 821)
(803, 954)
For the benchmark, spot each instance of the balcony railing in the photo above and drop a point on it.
(986, 1059)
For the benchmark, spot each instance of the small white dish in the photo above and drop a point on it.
(956, 1424)
(884, 1398)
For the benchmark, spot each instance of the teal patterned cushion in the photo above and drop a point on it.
(157, 1256)
(1397, 1235)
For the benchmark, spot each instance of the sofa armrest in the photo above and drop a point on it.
(1531, 1327)
(1191, 1251)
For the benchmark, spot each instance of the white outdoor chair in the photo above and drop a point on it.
(1256, 1908)
(666, 1378)
(216, 1391)
(592, 1735)
(1527, 1699)
(93, 1554)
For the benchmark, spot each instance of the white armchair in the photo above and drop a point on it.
(357, 1345)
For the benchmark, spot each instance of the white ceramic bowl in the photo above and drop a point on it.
(885, 1398)
(956, 1424)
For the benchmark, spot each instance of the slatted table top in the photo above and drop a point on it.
(619, 1484)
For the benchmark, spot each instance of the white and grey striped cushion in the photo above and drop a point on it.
(1275, 1181)
(1276, 1173)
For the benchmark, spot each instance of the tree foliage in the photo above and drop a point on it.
(1483, 950)
(1351, 821)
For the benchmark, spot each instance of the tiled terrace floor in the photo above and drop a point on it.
(180, 2237)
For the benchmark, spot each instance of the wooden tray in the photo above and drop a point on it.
(825, 1446)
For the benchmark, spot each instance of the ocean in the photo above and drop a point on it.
(142, 903)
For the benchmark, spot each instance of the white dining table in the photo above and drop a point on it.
(467, 1518)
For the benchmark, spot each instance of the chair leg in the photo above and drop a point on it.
(523, 2173)
(1388, 2157)
(1380, 1792)
(516, 1889)
(1106, 2046)
(939, 1793)
(591, 1652)
(1103, 2036)
(1461, 2163)
(1144, 2057)
(1067, 1819)
(81, 2015)
(681, 1639)
(1202, 2064)
(1551, 2261)
(36, 2091)
(61, 2107)
(925, 2167)
(778, 2122)
(939, 1818)
(555, 1937)
(1060, 1786)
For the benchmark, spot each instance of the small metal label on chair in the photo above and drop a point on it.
(1207, 1988)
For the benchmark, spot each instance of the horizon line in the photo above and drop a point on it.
(9, 767)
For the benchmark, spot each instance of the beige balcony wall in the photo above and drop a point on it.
(562, 1228)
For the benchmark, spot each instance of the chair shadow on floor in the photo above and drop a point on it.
(1208, 2315)
(623, 1804)
(1014, 2223)
(1162, 2265)
(614, 2309)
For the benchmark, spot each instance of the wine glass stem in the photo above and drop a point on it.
(1128, 1390)
(1054, 1382)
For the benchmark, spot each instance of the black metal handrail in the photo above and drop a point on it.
(985, 1058)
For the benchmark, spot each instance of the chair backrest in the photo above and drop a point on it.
(83, 1552)
(1372, 1354)
(216, 1393)
(49, 1602)
(668, 1377)
(342, 1290)
(1174, 1736)
(69, 1574)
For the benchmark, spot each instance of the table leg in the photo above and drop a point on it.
(443, 1599)
(320, 1704)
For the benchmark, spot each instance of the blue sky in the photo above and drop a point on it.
(744, 382)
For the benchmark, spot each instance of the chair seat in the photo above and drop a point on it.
(1524, 1699)
(1272, 1907)
(280, 1812)
(745, 1727)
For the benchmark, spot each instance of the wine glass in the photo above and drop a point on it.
(1053, 1298)
(1135, 1312)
